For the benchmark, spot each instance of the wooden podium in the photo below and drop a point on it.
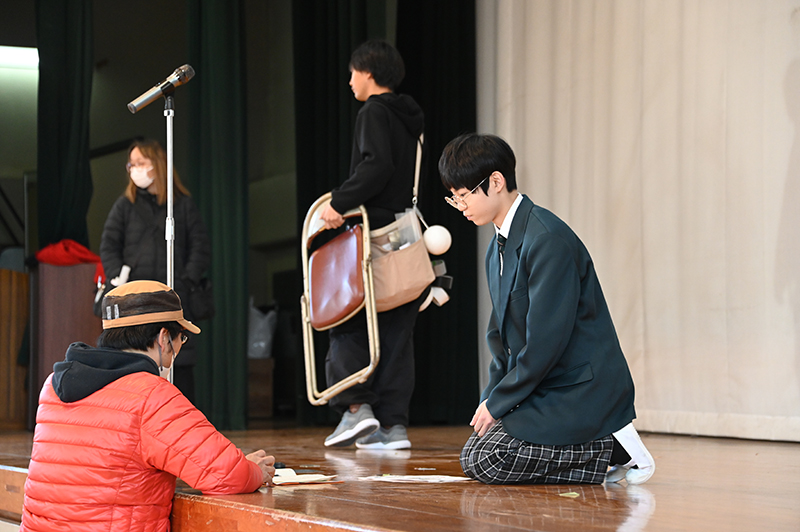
(63, 314)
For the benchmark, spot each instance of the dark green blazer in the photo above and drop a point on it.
(558, 375)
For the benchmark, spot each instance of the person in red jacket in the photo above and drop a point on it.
(112, 434)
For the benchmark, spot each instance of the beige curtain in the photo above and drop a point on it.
(665, 134)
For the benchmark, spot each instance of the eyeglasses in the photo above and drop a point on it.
(184, 339)
(457, 202)
(143, 164)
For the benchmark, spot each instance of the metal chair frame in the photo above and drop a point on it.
(312, 227)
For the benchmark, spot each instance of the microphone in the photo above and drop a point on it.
(165, 88)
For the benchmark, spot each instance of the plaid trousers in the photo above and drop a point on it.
(498, 458)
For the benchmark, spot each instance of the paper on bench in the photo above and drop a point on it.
(288, 476)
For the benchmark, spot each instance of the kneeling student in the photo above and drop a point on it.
(559, 403)
(112, 433)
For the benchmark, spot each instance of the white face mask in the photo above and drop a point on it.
(140, 176)
(165, 372)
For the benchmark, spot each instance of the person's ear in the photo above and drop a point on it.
(498, 181)
(163, 338)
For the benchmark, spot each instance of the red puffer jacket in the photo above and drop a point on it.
(108, 461)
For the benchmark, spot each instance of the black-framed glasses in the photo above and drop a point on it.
(184, 338)
(457, 202)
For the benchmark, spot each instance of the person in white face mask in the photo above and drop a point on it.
(115, 434)
(133, 246)
(140, 174)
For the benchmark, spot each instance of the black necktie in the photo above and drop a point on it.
(501, 245)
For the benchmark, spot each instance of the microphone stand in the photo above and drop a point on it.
(169, 236)
(166, 88)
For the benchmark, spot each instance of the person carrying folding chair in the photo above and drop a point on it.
(375, 413)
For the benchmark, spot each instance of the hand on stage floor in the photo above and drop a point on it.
(265, 463)
(482, 421)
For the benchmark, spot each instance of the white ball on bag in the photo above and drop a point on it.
(437, 239)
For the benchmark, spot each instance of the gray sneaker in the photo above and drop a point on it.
(352, 427)
(382, 439)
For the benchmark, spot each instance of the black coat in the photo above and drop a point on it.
(134, 235)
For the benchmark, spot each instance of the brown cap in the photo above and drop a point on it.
(140, 302)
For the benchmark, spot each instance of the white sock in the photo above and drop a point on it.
(632, 443)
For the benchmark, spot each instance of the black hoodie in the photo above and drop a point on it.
(383, 158)
(87, 369)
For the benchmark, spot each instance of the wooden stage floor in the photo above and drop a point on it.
(708, 484)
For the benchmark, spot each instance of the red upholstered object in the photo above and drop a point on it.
(336, 285)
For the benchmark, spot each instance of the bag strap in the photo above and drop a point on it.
(420, 140)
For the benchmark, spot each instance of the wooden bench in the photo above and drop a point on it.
(190, 513)
(12, 481)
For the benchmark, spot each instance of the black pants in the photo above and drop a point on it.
(389, 388)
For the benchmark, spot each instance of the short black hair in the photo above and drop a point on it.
(137, 337)
(468, 159)
(380, 59)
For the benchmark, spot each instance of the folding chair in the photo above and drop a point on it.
(322, 304)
